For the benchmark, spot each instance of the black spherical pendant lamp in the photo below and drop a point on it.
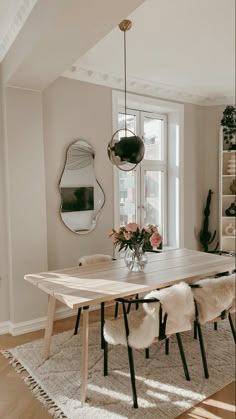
(127, 151)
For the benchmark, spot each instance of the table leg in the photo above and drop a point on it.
(84, 354)
(49, 326)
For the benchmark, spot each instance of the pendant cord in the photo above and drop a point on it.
(125, 79)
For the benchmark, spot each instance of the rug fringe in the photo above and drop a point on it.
(35, 388)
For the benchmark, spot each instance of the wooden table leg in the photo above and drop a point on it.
(84, 355)
(49, 326)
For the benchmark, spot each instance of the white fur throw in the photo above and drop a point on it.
(214, 296)
(90, 259)
(177, 302)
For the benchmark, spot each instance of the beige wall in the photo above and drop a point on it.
(36, 145)
(75, 110)
(212, 118)
(26, 201)
(193, 173)
(4, 280)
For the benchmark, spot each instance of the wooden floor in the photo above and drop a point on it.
(17, 402)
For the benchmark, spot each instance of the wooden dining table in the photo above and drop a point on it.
(91, 285)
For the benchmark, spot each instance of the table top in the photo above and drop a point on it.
(92, 284)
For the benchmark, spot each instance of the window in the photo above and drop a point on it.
(150, 194)
(142, 193)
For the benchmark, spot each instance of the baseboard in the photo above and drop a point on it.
(37, 324)
(4, 328)
(32, 325)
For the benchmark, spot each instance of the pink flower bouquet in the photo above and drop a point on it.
(132, 235)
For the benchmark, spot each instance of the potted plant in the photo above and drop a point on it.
(229, 126)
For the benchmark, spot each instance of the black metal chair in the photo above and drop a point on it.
(161, 335)
(89, 260)
(225, 313)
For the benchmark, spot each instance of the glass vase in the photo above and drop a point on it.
(135, 258)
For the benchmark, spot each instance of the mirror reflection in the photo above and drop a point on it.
(82, 197)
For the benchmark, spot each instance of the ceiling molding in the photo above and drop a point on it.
(14, 28)
(145, 87)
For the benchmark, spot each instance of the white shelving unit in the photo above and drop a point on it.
(227, 224)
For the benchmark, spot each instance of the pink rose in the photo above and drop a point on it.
(127, 236)
(155, 239)
(133, 227)
(115, 238)
(110, 233)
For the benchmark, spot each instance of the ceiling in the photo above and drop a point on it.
(13, 14)
(182, 49)
(179, 49)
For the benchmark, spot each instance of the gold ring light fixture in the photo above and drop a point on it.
(127, 151)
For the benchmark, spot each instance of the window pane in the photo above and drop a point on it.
(127, 181)
(153, 184)
(153, 138)
(130, 124)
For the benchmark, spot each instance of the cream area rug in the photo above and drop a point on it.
(163, 392)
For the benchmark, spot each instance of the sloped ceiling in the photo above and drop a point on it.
(183, 49)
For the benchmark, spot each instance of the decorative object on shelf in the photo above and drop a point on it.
(125, 149)
(232, 187)
(229, 127)
(230, 230)
(206, 237)
(132, 238)
(231, 211)
(231, 166)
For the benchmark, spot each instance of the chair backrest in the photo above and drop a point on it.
(96, 258)
(166, 311)
(214, 296)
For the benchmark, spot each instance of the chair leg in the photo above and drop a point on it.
(132, 376)
(77, 322)
(147, 353)
(136, 305)
(195, 330)
(116, 310)
(215, 325)
(203, 353)
(232, 327)
(102, 324)
(167, 342)
(105, 359)
(129, 307)
(181, 351)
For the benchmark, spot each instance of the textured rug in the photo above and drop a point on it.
(163, 392)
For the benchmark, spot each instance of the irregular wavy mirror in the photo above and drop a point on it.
(82, 197)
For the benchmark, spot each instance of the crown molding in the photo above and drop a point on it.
(17, 23)
(145, 87)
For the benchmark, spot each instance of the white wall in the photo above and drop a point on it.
(75, 110)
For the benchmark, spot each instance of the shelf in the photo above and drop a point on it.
(229, 151)
(225, 236)
(226, 198)
(229, 196)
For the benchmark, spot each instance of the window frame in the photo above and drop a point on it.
(174, 218)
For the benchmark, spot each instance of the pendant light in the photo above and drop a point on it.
(127, 151)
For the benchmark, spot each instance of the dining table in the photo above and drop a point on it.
(88, 286)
